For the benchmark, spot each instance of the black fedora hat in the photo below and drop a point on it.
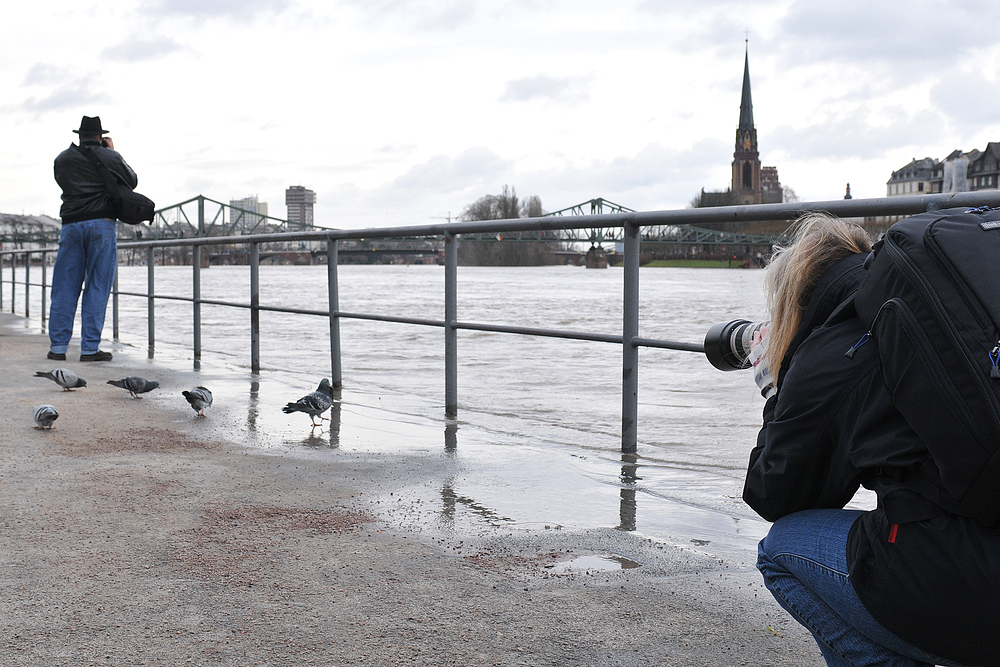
(90, 125)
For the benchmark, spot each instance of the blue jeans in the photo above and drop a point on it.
(88, 254)
(804, 562)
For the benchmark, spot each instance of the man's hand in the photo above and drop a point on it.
(108, 142)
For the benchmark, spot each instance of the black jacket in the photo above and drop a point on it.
(84, 194)
(832, 427)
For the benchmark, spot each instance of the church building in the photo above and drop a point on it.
(751, 183)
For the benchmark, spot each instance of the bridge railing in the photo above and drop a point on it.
(630, 224)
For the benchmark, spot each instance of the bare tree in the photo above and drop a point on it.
(532, 207)
(507, 204)
(500, 252)
(788, 194)
(483, 208)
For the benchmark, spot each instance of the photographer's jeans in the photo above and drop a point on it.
(804, 562)
(88, 255)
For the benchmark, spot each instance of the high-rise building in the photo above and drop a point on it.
(247, 214)
(299, 201)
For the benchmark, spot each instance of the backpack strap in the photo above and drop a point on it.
(109, 181)
(844, 311)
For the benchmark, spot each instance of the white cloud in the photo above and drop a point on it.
(136, 50)
(854, 134)
(43, 74)
(239, 10)
(72, 96)
(398, 110)
(564, 90)
(969, 100)
(431, 15)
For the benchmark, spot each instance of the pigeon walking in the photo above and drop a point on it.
(135, 385)
(199, 398)
(44, 416)
(63, 377)
(313, 404)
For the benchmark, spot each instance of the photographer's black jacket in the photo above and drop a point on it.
(934, 578)
(84, 194)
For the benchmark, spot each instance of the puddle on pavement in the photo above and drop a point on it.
(595, 562)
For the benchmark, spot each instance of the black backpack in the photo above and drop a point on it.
(931, 300)
(130, 206)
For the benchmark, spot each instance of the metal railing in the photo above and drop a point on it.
(630, 223)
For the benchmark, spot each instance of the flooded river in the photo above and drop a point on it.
(539, 419)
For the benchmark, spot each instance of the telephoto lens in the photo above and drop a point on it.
(727, 344)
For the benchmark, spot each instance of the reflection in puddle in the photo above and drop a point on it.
(595, 562)
(450, 501)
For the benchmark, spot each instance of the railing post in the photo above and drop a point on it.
(450, 332)
(45, 285)
(196, 295)
(630, 331)
(332, 251)
(1, 282)
(27, 285)
(201, 215)
(150, 302)
(254, 307)
(114, 306)
(13, 282)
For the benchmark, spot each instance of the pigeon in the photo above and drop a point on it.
(313, 404)
(135, 385)
(44, 415)
(199, 398)
(63, 377)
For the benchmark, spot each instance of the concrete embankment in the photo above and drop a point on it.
(134, 535)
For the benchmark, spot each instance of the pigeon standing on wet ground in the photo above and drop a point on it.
(199, 398)
(44, 416)
(313, 404)
(63, 377)
(135, 385)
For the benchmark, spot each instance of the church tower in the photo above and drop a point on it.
(746, 187)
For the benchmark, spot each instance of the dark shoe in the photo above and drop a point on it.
(56, 356)
(96, 356)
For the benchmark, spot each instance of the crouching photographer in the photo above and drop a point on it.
(914, 581)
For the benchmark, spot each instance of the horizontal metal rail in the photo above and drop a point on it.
(469, 326)
(629, 223)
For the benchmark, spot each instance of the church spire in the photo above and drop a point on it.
(746, 187)
(746, 105)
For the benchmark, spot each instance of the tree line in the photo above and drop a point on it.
(500, 252)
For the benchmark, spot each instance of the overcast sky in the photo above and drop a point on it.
(405, 111)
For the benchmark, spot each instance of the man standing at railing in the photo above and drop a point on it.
(88, 249)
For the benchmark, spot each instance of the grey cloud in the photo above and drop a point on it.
(542, 86)
(854, 135)
(684, 6)
(655, 177)
(447, 174)
(66, 97)
(970, 101)
(43, 74)
(900, 36)
(140, 49)
(240, 10)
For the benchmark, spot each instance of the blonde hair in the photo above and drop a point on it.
(819, 241)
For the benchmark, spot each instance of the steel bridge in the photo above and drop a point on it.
(201, 216)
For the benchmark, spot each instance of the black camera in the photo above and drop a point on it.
(727, 344)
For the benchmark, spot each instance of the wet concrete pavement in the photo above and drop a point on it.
(135, 533)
